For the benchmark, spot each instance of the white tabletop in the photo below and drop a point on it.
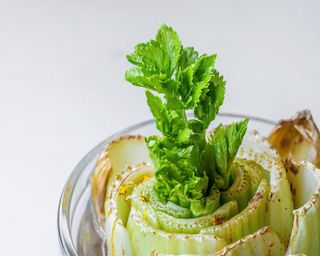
(62, 90)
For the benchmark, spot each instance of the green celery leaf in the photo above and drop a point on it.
(170, 43)
(157, 82)
(160, 113)
(211, 100)
(156, 62)
(221, 151)
(189, 57)
(195, 80)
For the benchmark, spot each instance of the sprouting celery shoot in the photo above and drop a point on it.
(178, 79)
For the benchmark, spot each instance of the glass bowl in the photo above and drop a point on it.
(77, 229)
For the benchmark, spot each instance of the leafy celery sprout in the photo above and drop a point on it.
(178, 79)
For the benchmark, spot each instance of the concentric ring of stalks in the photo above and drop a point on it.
(278, 213)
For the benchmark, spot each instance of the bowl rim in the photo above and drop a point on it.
(66, 243)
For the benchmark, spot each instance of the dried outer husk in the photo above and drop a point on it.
(265, 242)
(305, 236)
(123, 151)
(297, 138)
(279, 213)
(118, 207)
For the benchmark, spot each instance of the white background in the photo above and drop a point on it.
(62, 89)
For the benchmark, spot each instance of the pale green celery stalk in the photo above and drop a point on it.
(264, 242)
(147, 227)
(118, 208)
(248, 176)
(280, 208)
(112, 161)
(305, 236)
(247, 221)
(140, 199)
(255, 172)
(125, 151)
(146, 240)
(239, 190)
(210, 202)
(225, 212)
(151, 203)
(195, 225)
(169, 208)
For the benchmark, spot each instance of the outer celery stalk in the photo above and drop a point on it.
(264, 242)
(246, 222)
(118, 208)
(279, 215)
(146, 239)
(121, 152)
(305, 236)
